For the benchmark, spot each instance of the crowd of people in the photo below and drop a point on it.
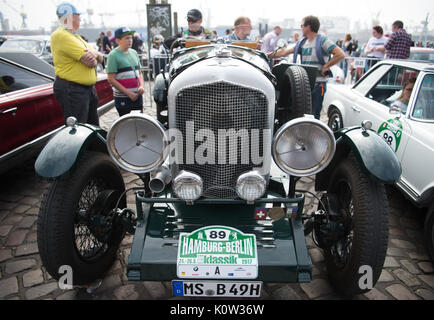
(106, 42)
(75, 60)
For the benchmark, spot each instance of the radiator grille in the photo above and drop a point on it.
(221, 106)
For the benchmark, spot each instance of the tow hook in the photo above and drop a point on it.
(331, 233)
(319, 219)
(327, 225)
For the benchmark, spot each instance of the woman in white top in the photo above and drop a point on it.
(378, 40)
(375, 46)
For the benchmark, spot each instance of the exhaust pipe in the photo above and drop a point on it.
(160, 178)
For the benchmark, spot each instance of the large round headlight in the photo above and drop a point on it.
(188, 186)
(303, 147)
(251, 186)
(137, 143)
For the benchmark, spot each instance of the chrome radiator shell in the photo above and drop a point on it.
(222, 94)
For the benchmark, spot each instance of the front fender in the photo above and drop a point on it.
(373, 153)
(63, 150)
(375, 157)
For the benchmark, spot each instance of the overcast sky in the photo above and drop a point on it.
(223, 12)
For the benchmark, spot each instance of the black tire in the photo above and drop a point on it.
(429, 231)
(60, 229)
(335, 121)
(297, 101)
(363, 207)
(301, 94)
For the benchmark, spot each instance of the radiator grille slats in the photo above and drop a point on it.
(221, 106)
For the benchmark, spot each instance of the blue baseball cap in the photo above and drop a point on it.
(66, 8)
(122, 32)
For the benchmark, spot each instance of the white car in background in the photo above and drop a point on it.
(422, 54)
(37, 45)
(409, 133)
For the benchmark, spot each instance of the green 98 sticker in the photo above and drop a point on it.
(391, 132)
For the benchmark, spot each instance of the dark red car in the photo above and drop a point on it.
(29, 112)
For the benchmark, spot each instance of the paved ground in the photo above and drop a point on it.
(407, 273)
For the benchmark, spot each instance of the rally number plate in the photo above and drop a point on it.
(217, 252)
(216, 289)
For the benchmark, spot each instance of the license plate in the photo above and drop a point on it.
(216, 289)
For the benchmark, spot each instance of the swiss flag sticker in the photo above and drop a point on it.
(261, 214)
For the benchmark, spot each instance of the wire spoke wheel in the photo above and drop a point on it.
(358, 226)
(341, 250)
(74, 224)
(87, 245)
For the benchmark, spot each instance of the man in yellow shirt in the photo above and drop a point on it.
(74, 62)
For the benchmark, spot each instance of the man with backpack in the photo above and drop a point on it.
(315, 50)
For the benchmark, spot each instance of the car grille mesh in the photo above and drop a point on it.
(224, 106)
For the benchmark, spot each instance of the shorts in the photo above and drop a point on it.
(125, 105)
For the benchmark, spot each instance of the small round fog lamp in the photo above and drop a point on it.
(188, 186)
(251, 186)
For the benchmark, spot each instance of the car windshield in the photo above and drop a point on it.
(209, 51)
(33, 46)
(422, 56)
(424, 108)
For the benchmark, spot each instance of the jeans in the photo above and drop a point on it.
(370, 64)
(318, 98)
(77, 101)
(345, 68)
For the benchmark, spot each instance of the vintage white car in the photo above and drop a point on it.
(380, 97)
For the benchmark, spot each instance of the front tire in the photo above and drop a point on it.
(65, 237)
(363, 211)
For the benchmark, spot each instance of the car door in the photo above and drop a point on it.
(355, 111)
(27, 107)
(417, 170)
(375, 106)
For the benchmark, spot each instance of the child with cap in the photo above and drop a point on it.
(124, 74)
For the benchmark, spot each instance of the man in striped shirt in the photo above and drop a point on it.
(124, 74)
(311, 48)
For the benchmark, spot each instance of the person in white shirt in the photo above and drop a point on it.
(374, 44)
(156, 46)
(270, 40)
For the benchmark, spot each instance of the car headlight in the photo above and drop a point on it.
(188, 186)
(251, 186)
(303, 147)
(137, 143)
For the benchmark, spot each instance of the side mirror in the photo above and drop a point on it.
(395, 111)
